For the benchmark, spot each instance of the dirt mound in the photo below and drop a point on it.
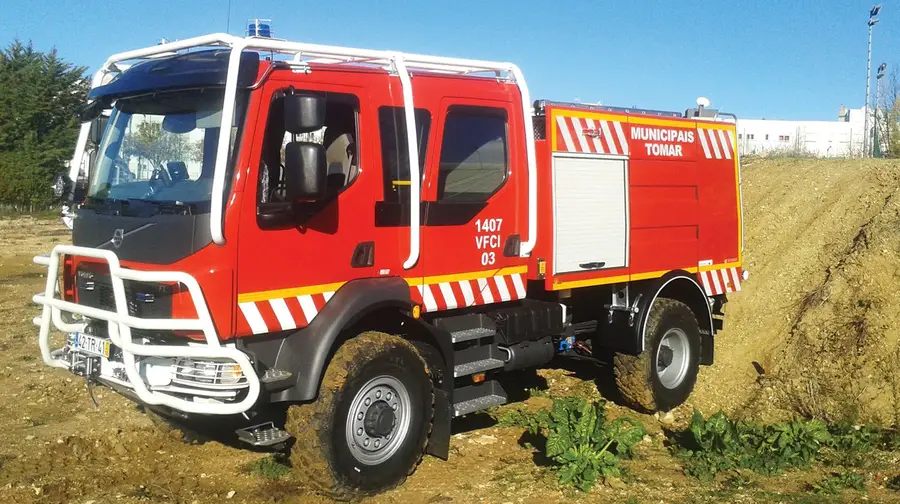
(820, 315)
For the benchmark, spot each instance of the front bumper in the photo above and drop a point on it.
(203, 378)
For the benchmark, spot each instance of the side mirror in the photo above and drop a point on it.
(98, 126)
(305, 171)
(303, 113)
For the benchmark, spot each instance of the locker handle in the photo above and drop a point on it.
(592, 265)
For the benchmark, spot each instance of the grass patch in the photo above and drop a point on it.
(580, 443)
(834, 483)
(719, 444)
(538, 392)
(272, 467)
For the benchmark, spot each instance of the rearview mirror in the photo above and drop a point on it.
(93, 109)
(303, 113)
(180, 123)
(305, 171)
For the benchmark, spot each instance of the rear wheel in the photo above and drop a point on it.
(663, 376)
(367, 429)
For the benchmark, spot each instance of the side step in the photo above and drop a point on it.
(467, 327)
(263, 435)
(470, 334)
(479, 366)
(478, 397)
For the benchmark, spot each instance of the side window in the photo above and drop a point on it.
(474, 154)
(338, 136)
(394, 150)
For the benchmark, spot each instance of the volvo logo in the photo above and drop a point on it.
(117, 238)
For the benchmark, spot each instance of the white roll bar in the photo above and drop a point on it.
(401, 62)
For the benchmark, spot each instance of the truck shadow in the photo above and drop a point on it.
(597, 369)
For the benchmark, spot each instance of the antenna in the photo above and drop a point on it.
(228, 20)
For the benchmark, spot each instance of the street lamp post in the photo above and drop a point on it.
(872, 20)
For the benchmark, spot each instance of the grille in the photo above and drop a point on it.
(540, 127)
(145, 300)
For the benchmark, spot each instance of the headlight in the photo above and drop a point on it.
(209, 372)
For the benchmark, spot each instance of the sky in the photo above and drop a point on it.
(773, 59)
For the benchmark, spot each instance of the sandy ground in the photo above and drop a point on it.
(819, 316)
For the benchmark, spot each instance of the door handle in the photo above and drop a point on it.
(592, 265)
(363, 255)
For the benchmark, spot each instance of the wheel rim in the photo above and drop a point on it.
(378, 420)
(673, 358)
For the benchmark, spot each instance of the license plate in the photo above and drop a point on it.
(92, 345)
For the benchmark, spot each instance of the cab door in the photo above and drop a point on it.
(287, 272)
(473, 206)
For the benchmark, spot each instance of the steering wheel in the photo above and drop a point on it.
(159, 179)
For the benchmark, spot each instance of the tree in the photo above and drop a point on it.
(888, 114)
(149, 141)
(40, 95)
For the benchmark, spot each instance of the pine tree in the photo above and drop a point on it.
(40, 94)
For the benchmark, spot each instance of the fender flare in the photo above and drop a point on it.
(306, 352)
(691, 293)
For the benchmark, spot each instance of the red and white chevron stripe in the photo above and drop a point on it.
(576, 134)
(720, 281)
(283, 314)
(716, 143)
(465, 293)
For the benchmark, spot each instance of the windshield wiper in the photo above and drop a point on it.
(176, 207)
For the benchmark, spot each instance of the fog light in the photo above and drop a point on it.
(157, 372)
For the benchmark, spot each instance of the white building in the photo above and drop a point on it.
(840, 138)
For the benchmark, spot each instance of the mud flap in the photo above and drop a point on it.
(707, 344)
(439, 439)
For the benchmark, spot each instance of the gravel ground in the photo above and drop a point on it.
(818, 316)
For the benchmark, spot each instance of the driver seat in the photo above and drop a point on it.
(340, 160)
(177, 171)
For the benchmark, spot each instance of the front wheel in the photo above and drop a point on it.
(663, 376)
(367, 429)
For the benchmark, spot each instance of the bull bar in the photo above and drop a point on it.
(121, 322)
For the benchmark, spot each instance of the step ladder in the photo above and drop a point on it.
(475, 351)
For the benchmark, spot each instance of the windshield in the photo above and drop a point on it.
(161, 147)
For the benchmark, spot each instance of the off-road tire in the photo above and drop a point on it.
(636, 375)
(320, 456)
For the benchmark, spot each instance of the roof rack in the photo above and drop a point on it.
(540, 104)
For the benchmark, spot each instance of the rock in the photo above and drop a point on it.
(616, 483)
(666, 419)
(29, 437)
(484, 440)
(230, 494)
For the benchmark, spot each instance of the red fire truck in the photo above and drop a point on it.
(265, 240)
